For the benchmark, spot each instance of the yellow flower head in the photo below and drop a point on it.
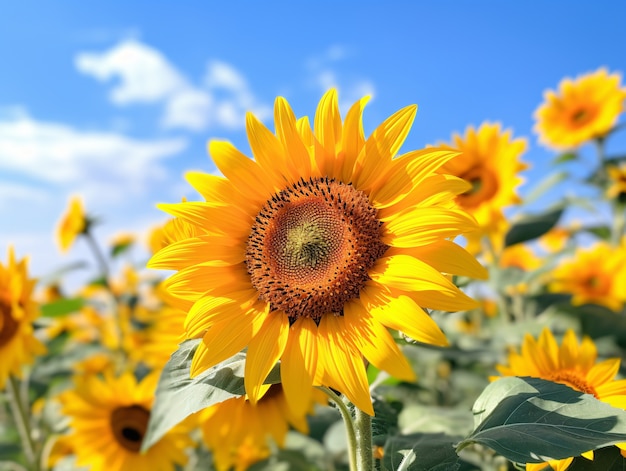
(617, 181)
(582, 109)
(73, 223)
(307, 253)
(108, 420)
(238, 433)
(18, 310)
(520, 256)
(596, 275)
(572, 364)
(490, 162)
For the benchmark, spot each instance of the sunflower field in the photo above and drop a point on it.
(332, 302)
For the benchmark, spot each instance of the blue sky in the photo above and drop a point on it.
(115, 100)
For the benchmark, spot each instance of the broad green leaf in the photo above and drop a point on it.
(421, 452)
(530, 420)
(602, 232)
(119, 249)
(62, 307)
(532, 227)
(178, 396)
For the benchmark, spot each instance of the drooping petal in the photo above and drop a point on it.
(403, 314)
(264, 350)
(373, 340)
(299, 365)
(343, 366)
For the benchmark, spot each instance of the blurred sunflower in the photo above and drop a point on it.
(313, 248)
(581, 110)
(617, 181)
(595, 275)
(238, 432)
(108, 420)
(490, 162)
(73, 223)
(572, 364)
(18, 310)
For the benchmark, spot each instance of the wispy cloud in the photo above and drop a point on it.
(61, 155)
(146, 76)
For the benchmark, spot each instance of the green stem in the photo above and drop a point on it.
(364, 450)
(347, 419)
(102, 263)
(21, 418)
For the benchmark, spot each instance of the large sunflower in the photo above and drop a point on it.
(108, 420)
(316, 246)
(572, 364)
(581, 110)
(596, 275)
(18, 310)
(238, 432)
(490, 162)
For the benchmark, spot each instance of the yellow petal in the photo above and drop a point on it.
(241, 171)
(213, 309)
(445, 256)
(220, 190)
(419, 226)
(268, 151)
(299, 365)
(218, 220)
(403, 314)
(328, 129)
(344, 369)
(194, 282)
(264, 351)
(603, 372)
(210, 250)
(382, 146)
(287, 133)
(352, 139)
(373, 340)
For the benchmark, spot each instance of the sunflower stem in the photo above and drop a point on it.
(22, 422)
(348, 421)
(102, 263)
(364, 450)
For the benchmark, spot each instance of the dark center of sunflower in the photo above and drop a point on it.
(573, 380)
(311, 247)
(8, 325)
(129, 425)
(484, 186)
(579, 115)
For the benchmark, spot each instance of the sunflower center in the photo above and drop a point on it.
(8, 325)
(311, 247)
(129, 425)
(484, 186)
(573, 380)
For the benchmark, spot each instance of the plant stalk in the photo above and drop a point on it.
(364, 449)
(22, 422)
(349, 422)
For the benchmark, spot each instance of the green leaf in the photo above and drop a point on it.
(62, 307)
(421, 452)
(532, 227)
(602, 232)
(178, 396)
(119, 249)
(565, 157)
(530, 420)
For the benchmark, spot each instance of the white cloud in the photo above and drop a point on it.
(190, 109)
(145, 74)
(12, 194)
(59, 154)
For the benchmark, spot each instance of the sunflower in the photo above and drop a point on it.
(572, 364)
(581, 110)
(308, 252)
(238, 433)
(73, 223)
(617, 181)
(490, 162)
(18, 310)
(108, 420)
(596, 275)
